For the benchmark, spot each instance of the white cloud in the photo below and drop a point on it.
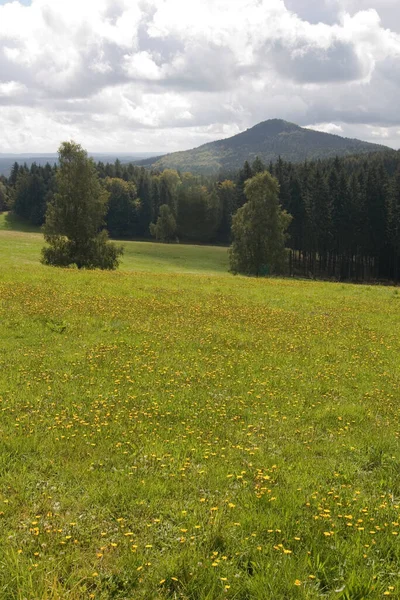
(10, 89)
(327, 128)
(141, 66)
(169, 74)
(380, 132)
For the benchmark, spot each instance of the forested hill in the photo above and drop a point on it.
(267, 140)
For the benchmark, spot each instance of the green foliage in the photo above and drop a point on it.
(123, 208)
(164, 230)
(4, 198)
(258, 166)
(169, 185)
(393, 221)
(145, 214)
(74, 219)
(228, 204)
(258, 230)
(94, 253)
(30, 197)
(199, 210)
(341, 216)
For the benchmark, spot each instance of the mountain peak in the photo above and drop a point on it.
(268, 140)
(275, 127)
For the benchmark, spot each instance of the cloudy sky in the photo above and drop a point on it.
(164, 75)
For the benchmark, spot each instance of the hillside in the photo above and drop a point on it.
(268, 140)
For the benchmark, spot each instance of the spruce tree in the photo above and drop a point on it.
(245, 174)
(30, 197)
(322, 213)
(393, 210)
(258, 166)
(226, 191)
(145, 210)
(123, 208)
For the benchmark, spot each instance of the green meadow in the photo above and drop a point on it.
(170, 431)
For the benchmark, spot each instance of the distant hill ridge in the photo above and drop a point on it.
(268, 140)
(7, 159)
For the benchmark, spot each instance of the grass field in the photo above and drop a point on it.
(171, 431)
(138, 256)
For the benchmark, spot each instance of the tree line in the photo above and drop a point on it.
(345, 211)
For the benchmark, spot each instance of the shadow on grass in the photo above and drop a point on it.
(11, 222)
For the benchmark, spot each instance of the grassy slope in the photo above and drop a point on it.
(176, 435)
(138, 256)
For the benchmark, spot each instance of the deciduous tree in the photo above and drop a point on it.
(258, 229)
(4, 199)
(75, 217)
(164, 230)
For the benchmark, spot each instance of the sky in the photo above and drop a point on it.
(166, 75)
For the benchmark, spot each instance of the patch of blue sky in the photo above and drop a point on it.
(24, 2)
